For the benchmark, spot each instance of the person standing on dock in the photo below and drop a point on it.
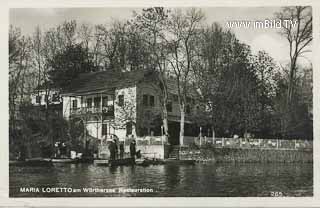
(133, 149)
(121, 147)
(116, 152)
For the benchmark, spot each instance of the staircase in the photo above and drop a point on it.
(174, 153)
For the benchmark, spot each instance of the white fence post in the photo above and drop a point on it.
(213, 137)
(260, 142)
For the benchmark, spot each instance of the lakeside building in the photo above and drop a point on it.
(126, 104)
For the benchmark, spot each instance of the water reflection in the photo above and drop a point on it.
(170, 180)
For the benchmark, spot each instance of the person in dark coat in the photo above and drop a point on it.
(133, 149)
(112, 150)
(121, 147)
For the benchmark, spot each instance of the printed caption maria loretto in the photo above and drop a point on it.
(84, 190)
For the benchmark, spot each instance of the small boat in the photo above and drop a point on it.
(86, 160)
(142, 162)
(113, 163)
(120, 162)
(179, 162)
(64, 160)
(31, 162)
(101, 162)
(147, 161)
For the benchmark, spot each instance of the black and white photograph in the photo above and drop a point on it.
(160, 101)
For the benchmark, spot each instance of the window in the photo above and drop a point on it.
(175, 98)
(151, 100)
(74, 104)
(89, 102)
(121, 100)
(104, 129)
(145, 100)
(38, 99)
(129, 128)
(169, 106)
(105, 101)
(148, 100)
(97, 102)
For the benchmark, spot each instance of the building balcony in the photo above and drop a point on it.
(106, 112)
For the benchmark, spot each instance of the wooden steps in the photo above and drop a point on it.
(174, 153)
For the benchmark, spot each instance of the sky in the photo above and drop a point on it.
(267, 39)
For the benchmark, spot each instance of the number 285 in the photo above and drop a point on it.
(276, 193)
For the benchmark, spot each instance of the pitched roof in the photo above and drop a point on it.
(108, 81)
(104, 81)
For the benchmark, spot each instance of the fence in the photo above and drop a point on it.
(229, 142)
(149, 140)
(254, 143)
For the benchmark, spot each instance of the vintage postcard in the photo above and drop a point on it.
(137, 102)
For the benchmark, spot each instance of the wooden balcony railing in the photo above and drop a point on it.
(105, 111)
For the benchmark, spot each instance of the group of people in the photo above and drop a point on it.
(60, 150)
(115, 148)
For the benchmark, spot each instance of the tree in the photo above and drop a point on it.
(211, 61)
(299, 36)
(19, 77)
(296, 123)
(266, 71)
(153, 23)
(182, 29)
(228, 82)
(68, 64)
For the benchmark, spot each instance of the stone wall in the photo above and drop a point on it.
(148, 151)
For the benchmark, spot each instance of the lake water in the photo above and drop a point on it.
(164, 180)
